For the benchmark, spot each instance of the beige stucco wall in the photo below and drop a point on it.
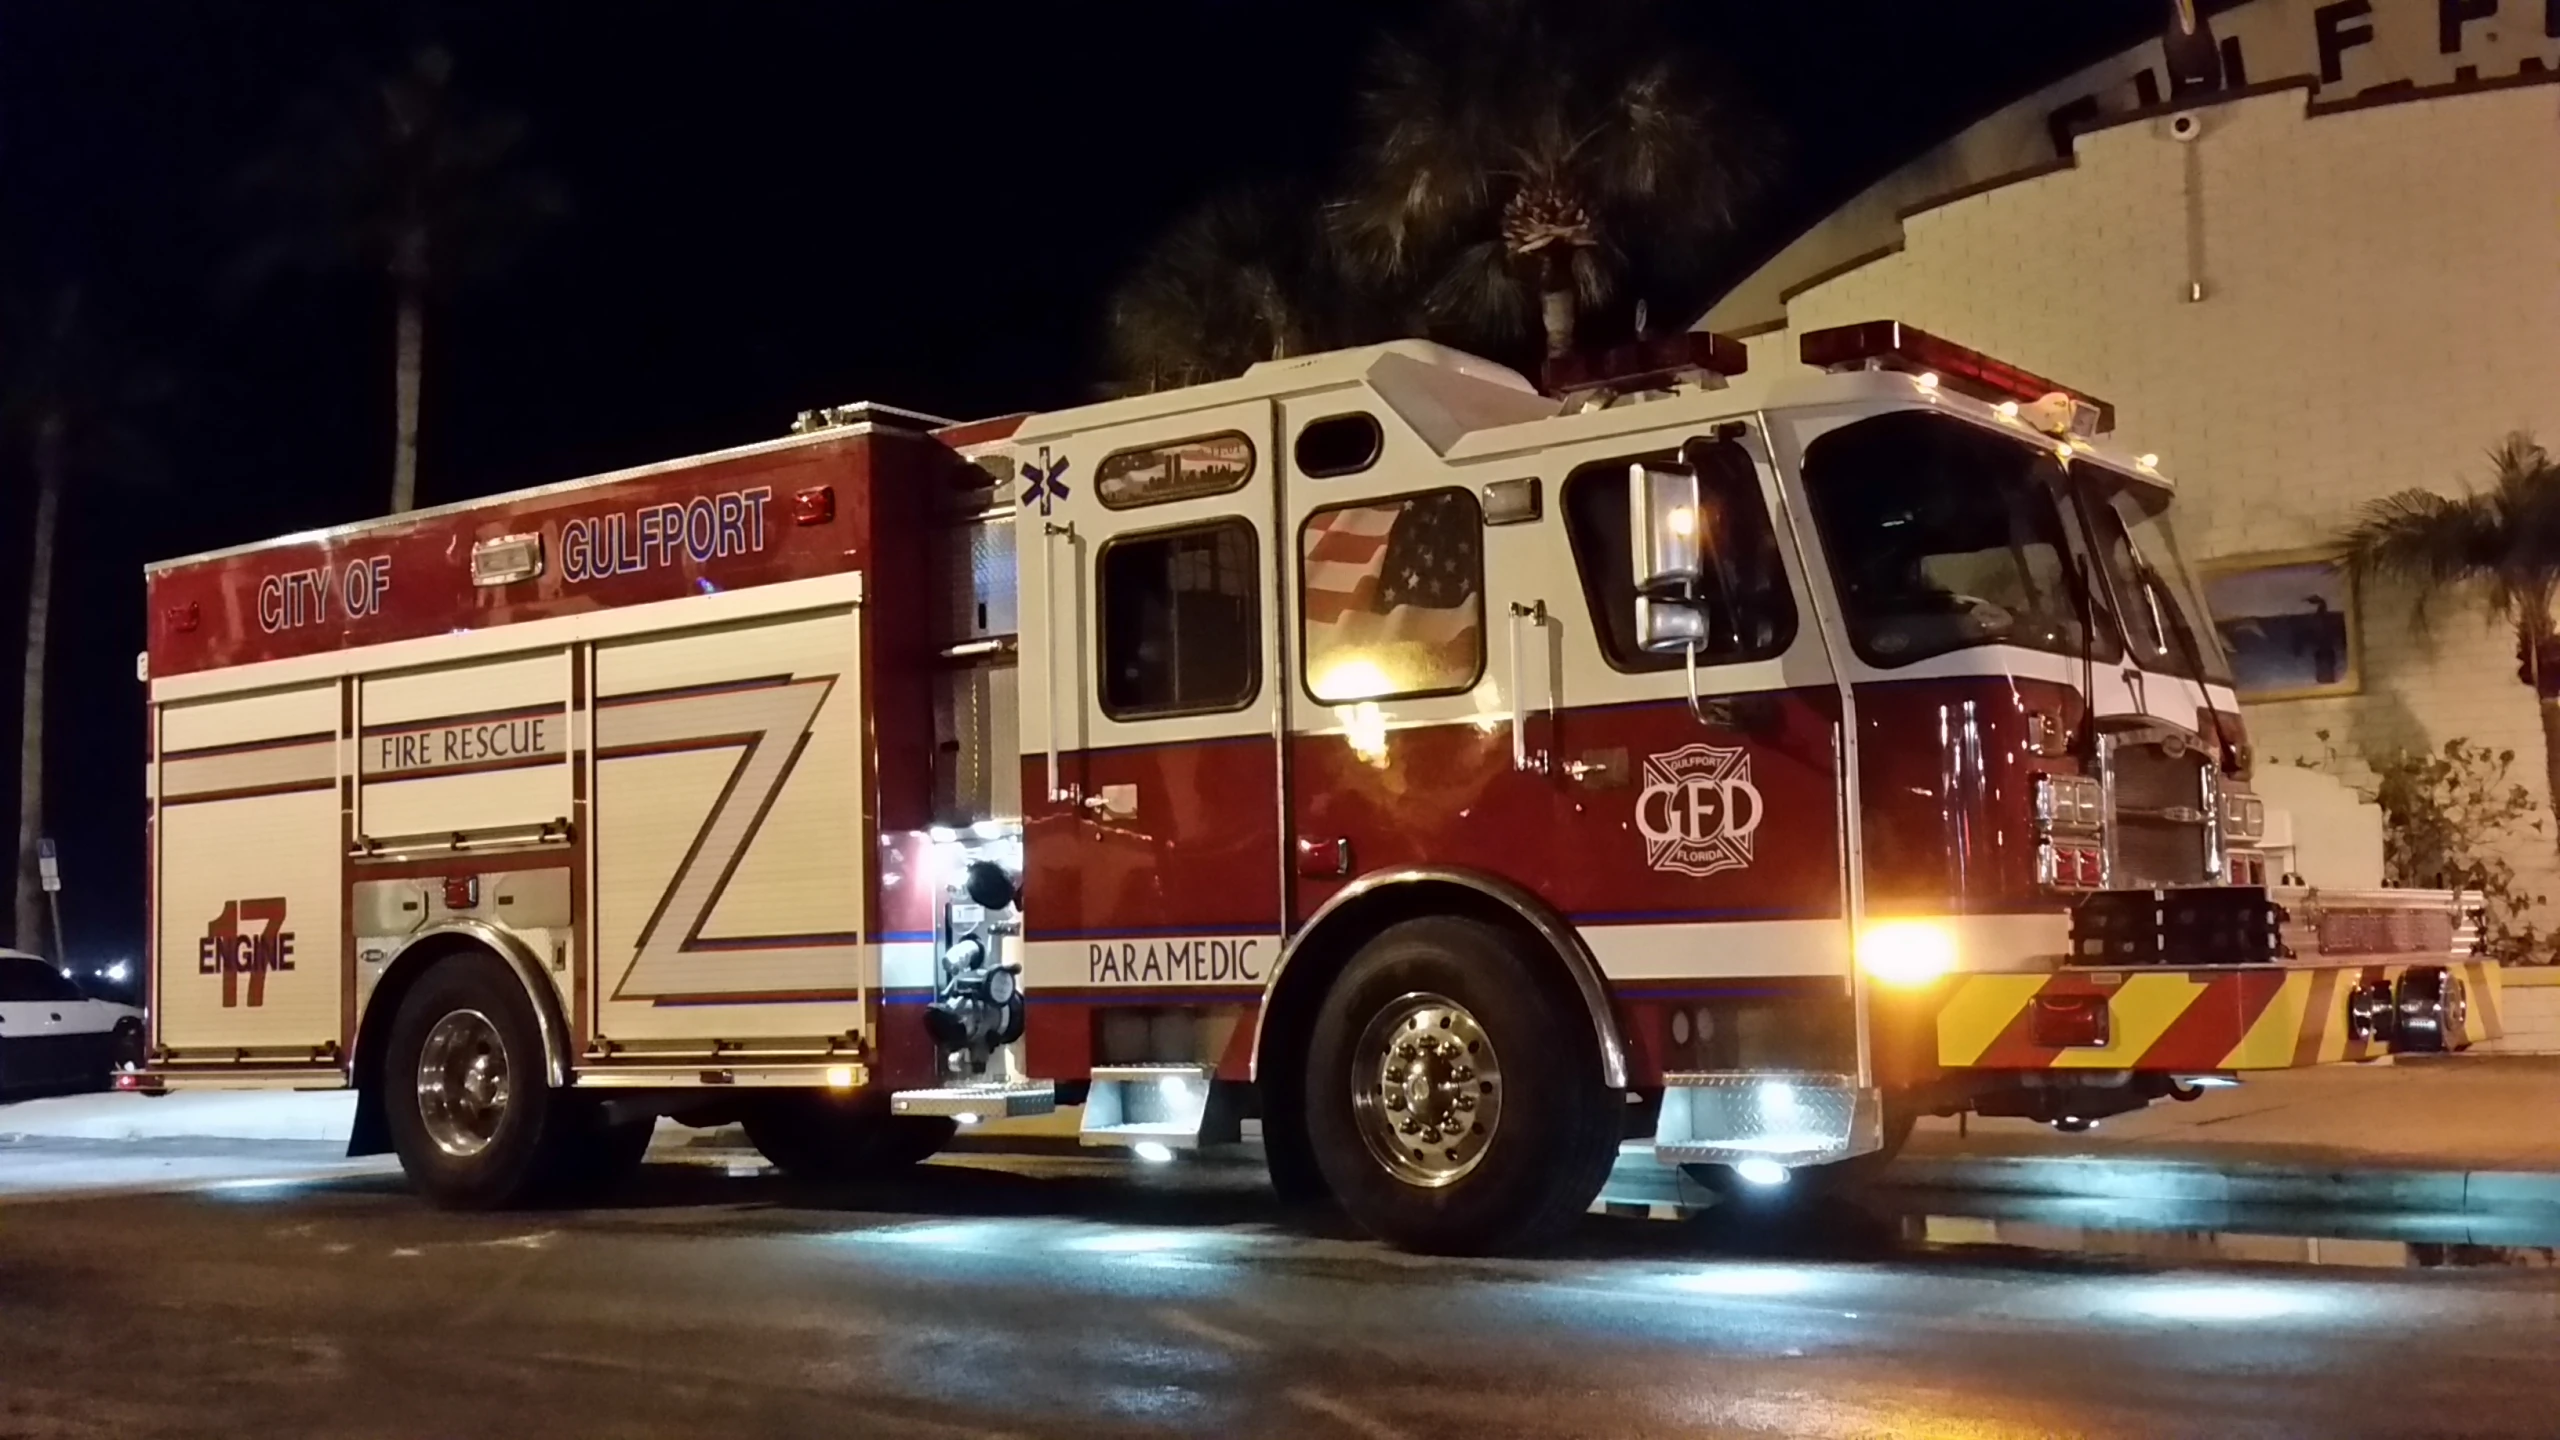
(2388, 43)
(2382, 303)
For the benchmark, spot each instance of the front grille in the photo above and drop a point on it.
(2162, 801)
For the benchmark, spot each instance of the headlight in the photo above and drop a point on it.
(2069, 803)
(2244, 816)
(1907, 953)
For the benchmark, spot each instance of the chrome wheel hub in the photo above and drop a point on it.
(462, 1083)
(1426, 1089)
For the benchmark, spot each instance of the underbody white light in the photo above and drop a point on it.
(2223, 1301)
(1757, 1171)
(942, 834)
(2210, 1082)
(987, 829)
(839, 1077)
(1751, 1281)
(967, 1117)
(1153, 1152)
(1140, 1242)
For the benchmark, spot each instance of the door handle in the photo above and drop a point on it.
(1324, 859)
(1599, 769)
(1535, 613)
(1049, 531)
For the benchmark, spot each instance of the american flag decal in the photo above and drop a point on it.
(1394, 596)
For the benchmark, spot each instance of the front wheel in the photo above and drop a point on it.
(472, 1116)
(1453, 1100)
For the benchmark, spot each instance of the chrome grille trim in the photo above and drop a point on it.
(2164, 807)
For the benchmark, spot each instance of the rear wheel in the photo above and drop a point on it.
(471, 1114)
(1453, 1103)
(824, 1136)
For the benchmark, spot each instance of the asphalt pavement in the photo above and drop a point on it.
(1071, 1297)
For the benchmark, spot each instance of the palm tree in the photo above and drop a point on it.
(1244, 277)
(1526, 160)
(401, 175)
(64, 393)
(2502, 543)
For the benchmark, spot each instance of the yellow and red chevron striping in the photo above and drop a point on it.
(2185, 1021)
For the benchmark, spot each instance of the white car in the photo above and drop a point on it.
(53, 1036)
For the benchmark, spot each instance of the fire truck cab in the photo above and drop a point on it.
(1452, 776)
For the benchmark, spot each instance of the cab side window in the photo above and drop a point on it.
(1755, 620)
(1391, 597)
(1181, 621)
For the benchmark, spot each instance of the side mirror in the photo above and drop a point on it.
(1667, 627)
(1667, 523)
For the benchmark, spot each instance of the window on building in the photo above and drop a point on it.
(1338, 445)
(1756, 621)
(1391, 597)
(1181, 622)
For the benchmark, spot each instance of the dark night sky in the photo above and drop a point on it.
(777, 205)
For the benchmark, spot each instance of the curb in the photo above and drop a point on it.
(2381, 1189)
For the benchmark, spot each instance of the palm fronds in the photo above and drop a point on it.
(2504, 541)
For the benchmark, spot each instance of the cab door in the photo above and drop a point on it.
(1696, 799)
(1476, 695)
(1149, 675)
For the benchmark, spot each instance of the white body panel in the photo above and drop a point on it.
(719, 739)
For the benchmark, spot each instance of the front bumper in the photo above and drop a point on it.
(2225, 978)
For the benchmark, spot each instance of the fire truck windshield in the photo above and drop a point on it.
(1945, 536)
(2157, 595)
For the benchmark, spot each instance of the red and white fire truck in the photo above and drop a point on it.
(1455, 776)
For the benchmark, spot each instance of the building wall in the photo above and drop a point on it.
(2381, 304)
(2340, 48)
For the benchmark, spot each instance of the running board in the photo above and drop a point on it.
(970, 1104)
(1174, 1106)
(1725, 1117)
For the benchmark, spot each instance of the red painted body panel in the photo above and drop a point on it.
(1939, 838)
(1201, 855)
(207, 614)
(1448, 795)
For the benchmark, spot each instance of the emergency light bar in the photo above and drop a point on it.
(1892, 345)
(1655, 364)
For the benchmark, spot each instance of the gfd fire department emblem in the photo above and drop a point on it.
(1697, 809)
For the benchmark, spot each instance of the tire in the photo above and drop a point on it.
(125, 1048)
(830, 1138)
(484, 1139)
(1455, 988)
(1290, 1160)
